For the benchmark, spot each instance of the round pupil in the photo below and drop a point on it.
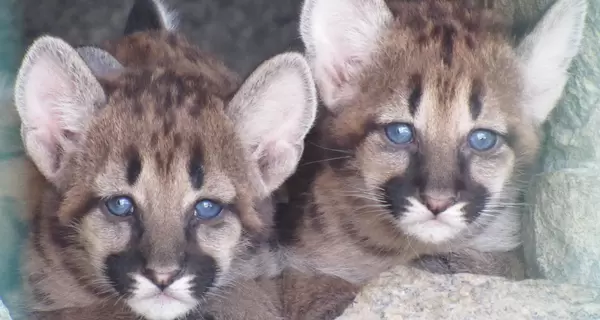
(120, 206)
(482, 140)
(207, 209)
(399, 133)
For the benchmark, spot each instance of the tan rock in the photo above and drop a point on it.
(406, 293)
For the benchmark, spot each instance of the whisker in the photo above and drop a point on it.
(323, 160)
(330, 149)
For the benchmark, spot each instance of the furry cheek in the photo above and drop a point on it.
(494, 173)
(378, 165)
(221, 242)
(101, 238)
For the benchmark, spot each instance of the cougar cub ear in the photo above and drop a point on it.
(546, 54)
(273, 111)
(340, 37)
(56, 95)
(99, 61)
(148, 15)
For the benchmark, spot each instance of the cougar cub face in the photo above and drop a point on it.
(431, 112)
(159, 203)
(159, 173)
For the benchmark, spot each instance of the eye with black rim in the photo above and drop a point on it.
(399, 133)
(482, 140)
(207, 209)
(120, 206)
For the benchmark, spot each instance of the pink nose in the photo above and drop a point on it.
(162, 278)
(438, 204)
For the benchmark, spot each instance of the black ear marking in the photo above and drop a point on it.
(146, 15)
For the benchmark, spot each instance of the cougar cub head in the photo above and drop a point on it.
(430, 110)
(158, 174)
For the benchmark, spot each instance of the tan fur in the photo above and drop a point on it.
(103, 174)
(307, 296)
(348, 236)
(292, 295)
(36, 184)
(338, 224)
(257, 299)
(168, 129)
(167, 48)
(102, 311)
(446, 68)
(153, 171)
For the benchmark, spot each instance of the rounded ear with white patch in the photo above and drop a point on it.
(56, 95)
(546, 54)
(273, 112)
(340, 37)
(146, 15)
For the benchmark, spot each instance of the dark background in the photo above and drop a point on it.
(242, 32)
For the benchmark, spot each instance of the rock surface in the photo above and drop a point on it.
(406, 293)
(562, 241)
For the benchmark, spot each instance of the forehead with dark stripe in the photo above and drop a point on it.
(195, 166)
(163, 109)
(439, 44)
(446, 89)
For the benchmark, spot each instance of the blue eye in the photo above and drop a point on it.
(206, 209)
(482, 140)
(399, 133)
(120, 206)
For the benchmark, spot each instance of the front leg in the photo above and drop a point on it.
(502, 264)
(94, 312)
(245, 300)
(315, 296)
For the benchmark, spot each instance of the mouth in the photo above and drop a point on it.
(155, 304)
(163, 297)
(420, 223)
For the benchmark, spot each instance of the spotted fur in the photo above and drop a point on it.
(151, 117)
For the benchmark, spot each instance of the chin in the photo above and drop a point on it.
(152, 304)
(418, 222)
(160, 308)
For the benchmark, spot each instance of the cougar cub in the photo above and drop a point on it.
(158, 165)
(431, 123)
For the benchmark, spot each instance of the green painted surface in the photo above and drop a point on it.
(11, 228)
(10, 35)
